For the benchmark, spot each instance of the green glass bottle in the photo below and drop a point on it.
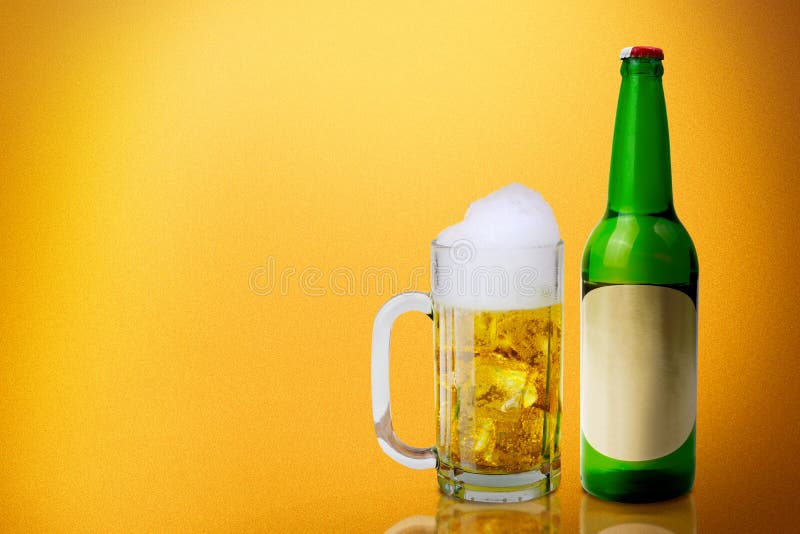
(639, 311)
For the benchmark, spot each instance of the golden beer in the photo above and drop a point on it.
(498, 389)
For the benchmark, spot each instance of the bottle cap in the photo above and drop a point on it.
(641, 51)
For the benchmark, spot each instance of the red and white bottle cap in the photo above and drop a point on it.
(641, 51)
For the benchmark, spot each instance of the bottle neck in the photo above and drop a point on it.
(641, 175)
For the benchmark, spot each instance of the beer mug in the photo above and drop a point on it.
(497, 338)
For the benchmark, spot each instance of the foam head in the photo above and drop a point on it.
(504, 255)
(514, 216)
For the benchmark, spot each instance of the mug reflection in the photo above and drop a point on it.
(539, 516)
(676, 516)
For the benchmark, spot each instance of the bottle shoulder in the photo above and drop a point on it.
(640, 248)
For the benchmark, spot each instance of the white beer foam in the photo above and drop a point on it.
(514, 216)
(502, 256)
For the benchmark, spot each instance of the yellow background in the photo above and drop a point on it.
(152, 158)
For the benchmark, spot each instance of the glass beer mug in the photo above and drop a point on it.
(497, 338)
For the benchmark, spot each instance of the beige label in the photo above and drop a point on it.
(638, 370)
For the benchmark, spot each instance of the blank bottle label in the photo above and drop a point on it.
(638, 370)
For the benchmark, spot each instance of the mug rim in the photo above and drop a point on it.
(460, 243)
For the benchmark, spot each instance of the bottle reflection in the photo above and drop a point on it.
(670, 517)
(539, 516)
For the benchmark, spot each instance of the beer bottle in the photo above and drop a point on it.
(639, 311)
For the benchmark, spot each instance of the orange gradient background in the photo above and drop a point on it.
(152, 158)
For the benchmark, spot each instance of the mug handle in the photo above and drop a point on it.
(412, 457)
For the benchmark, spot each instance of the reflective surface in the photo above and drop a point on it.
(537, 516)
(543, 515)
(417, 508)
(576, 511)
(676, 516)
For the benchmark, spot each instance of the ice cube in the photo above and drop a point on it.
(500, 382)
